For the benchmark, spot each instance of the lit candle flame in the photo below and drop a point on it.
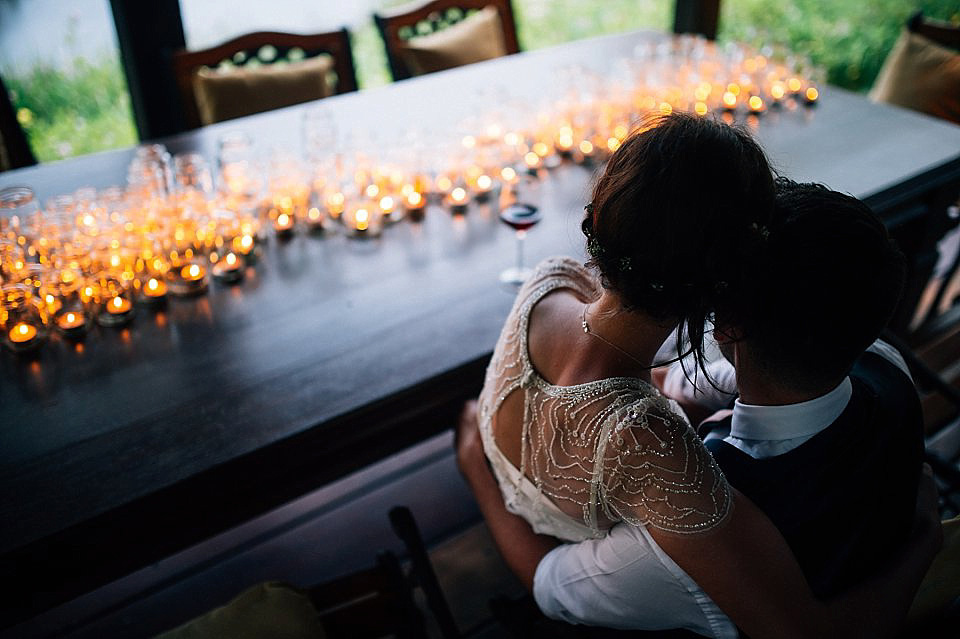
(484, 182)
(458, 195)
(363, 219)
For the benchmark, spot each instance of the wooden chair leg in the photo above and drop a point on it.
(406, 529)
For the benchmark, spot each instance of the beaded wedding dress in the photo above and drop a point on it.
(596, 453)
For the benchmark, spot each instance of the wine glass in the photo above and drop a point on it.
(520, 217)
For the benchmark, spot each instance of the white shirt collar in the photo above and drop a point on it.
(791, 421)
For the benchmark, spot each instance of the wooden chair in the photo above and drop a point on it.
(940, 400)
(373, 602)
(266, 47)
(399, 24)
(943, 33)
(376, 602)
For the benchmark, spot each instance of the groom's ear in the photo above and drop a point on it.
(727, 333)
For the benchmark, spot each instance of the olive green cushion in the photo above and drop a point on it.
(270, 610)
(922, 75)
(224, 95)
(941, 586)
(474, 39)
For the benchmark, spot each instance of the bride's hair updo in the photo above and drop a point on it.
(681, 206)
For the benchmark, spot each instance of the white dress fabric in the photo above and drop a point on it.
(611, 450)
(616, 453)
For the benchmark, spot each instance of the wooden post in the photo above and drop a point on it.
(149, 33)
(697, 16)
(14, 149)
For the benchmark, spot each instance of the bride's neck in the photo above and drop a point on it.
(634, 331)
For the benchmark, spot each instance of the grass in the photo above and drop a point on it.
(73, 111)
(86, 108)
(849, 40)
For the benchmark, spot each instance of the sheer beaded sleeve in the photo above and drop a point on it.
(656, 471)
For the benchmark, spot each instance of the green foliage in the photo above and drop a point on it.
(86, 108)
(79, 110)
(848, 39)
(544, 23)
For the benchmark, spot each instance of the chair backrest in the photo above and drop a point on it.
(376, 602)
(266, 47)
(943, 33)
(399, 24)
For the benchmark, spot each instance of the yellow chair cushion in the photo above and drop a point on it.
(922, 75)
(474, 39)
(224, 95)
(271, 610)
(941, 586)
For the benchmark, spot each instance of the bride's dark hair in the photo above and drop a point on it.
(681, 204)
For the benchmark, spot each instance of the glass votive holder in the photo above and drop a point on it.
(315, 219)
(17, 205)
(482, 186)
(151, 289)
(12, 258)
(282, 223)
(23, 323)
(363, 221)
(334, 201)
(458, 200)
(75, 316)
(246, 247)
(112, 301)
(187, 277)
(228, 268)
(415, 204)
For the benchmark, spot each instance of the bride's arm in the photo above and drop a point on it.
(521, 548)
(748, 570)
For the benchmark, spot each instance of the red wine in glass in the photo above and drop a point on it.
(520, 217)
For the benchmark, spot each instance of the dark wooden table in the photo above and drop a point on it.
(332, 353)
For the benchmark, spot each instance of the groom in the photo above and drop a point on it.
(825, 437)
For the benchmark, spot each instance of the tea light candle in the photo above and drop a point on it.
(115, 311)
(229, 269)
(189, 279)
(755, 103)
(508, 174)
(362, 220)
(533, 161)
(23, 334)
(335, 202)
(458, 200)
(243, 246)
(729, 100)
(483, 186)
(154, 291)
(72, 323)
(119, 306)
(283, 225)
(192, 273)
(387, 207)
(415, 205)
(315, 219)
(811, 95)
(586, 149)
